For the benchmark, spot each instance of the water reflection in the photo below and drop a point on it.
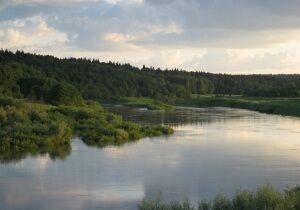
(211, 150)
(54, 152)
(179, 117)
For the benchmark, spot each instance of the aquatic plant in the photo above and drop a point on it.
(265, 197)
(33, 128)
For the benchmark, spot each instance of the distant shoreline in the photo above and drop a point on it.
(278, 106)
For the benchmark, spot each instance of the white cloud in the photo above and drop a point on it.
(64, 2)
(117, 37)
(29, 34)
(241, 61)
(47, 2)
(171, 28)
(232, 36)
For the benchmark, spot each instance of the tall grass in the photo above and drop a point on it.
(264, 198)
(32, 128)
(143, 102)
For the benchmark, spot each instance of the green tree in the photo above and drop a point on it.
(65, 94)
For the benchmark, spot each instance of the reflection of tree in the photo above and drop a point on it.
(60, 148)
(178, 117)
(60, 151)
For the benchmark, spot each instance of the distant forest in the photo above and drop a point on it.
(47, 78)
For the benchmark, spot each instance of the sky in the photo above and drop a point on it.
(219, 36)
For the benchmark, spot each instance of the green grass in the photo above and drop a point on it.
(27, 128)
(142, 102)
(264, 198)
(33, 128)
(282, 106)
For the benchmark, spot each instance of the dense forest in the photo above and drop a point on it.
(280, 85)
(69, 80)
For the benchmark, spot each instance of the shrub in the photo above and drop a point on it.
(65, 94)
(221, 202)
(292, 198)
(267, 197)
(243, 200)
(3, 116)
(36, 128)
(264, 198)
(35, 115)
(204, 205)
(121, 136)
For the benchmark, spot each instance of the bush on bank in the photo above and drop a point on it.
(264, 198)
(32, 128)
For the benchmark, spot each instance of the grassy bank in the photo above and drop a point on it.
(33, 128)
(142, 102)
(264, 198)
(282, 106)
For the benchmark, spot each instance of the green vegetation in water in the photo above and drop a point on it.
(33, 128)
(264, 198)
(100, 128)
(142, 102)
(28, 128)
(282, 106)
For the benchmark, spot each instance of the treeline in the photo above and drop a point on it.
(20, 81)
(46, 78)
(280, 85)
(35, 76)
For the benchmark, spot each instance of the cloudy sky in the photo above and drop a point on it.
(232, 36)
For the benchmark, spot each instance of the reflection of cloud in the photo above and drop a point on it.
(31, 195)
(105, 194)
(37, 164)
(42, 162)
(233, 149)
(118, 152)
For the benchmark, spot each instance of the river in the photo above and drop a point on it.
(213, 150)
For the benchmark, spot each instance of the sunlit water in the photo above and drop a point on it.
(213, 150)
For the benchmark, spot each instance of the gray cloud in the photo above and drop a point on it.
(114, 26)
(229, 23)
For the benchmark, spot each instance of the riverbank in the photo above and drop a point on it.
(141, 102)
(35, 128)
(265, 197)
(281, 106)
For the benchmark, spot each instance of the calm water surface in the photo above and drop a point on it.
(212, 150)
